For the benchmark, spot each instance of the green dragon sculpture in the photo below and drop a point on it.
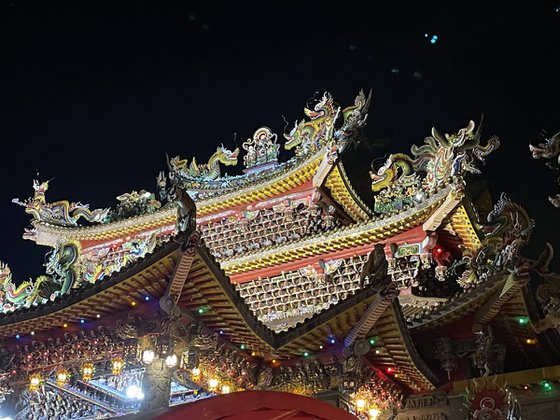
(13, 297)
(507, 230)
(397, 165)
(442, 158)
(445, 156)
(60, 271)
(207, 171)
(310, 136)
(61, 213)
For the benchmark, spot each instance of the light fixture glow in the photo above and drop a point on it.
(148, 356)
(171, 361)
(134, 392)
(373, 413)
(213, 383)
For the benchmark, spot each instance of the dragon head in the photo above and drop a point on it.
(304, 132)
(294, 137)
(5, 272)
(456, 139)
(226, 156)
(40, 188)
(548, 149)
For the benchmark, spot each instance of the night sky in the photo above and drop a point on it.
(94, 94)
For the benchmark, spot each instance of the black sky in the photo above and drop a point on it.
(94, 94)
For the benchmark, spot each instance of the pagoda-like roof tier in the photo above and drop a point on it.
(276, 221)
(209, 296)
(123, 290)
(287, 299)
(394, 348)
(344, 237)
(454, 308)
(289, 176)
(50, 235)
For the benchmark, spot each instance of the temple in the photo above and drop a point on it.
(412, 301)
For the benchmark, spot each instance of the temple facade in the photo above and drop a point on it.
(415, 302)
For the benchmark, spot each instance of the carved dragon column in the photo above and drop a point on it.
(157, 386)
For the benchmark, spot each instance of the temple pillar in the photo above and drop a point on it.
(156, 385)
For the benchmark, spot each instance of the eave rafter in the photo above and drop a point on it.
(110, 295)
(342, 192)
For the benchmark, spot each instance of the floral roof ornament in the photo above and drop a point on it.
(261, 149)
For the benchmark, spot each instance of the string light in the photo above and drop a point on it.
(373, 413)
(87, 371)
(34, 382)
(213, 383)
(62, 377)
(117, 366)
